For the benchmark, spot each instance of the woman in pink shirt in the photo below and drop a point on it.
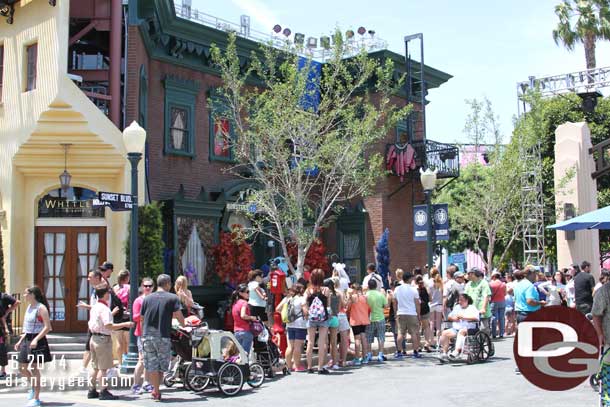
(359, 319)
(241, 317)
(138, 375)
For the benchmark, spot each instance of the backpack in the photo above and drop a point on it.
(452, 298)
(317, 308)
(292, 314)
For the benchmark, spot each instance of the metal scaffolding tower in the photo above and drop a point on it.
(584, 83)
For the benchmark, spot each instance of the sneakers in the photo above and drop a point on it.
(398, 355)
(454, 354)
(34, 403)
(300, 369)
(367, 358)
(443, 357)
(335, 367)
(416, 355)
(93, 394)
(31, 395)
(106, 395)
(323, 371)
(357, 362)
(381, 358)
(311, 371)
(136, 389)
(148, 388)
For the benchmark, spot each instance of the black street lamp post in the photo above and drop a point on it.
(134, 138)
(428, 181)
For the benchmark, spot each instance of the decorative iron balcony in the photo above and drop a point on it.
(445, 158)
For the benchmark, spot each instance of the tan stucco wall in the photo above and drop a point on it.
(32, 127)
(572, 143)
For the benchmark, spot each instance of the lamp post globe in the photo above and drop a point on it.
(134, 139)
(428, 181)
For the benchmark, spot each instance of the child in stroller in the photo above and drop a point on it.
(268, 354)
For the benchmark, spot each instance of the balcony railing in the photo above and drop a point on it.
(445, 158)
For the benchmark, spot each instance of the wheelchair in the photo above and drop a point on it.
(478, 346)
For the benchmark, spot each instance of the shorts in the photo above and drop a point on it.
(317, 324)
(376, 330)
(259, 312)
(101, 352)
(88, 343)
(407, 323)
(333, 322)
(343, 323)
(297, 334)
(41, 353)
(3, 355)
(359, 329)
(436, 308)
(425, 317)
(140, 345)
(157, 353)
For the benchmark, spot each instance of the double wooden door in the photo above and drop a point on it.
(64, 257)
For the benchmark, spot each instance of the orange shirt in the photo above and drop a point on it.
(359, 312)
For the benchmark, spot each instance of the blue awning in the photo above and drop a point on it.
(599, 219)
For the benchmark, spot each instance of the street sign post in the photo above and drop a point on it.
(115, 201)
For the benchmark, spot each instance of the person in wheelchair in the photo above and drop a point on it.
(464, 318)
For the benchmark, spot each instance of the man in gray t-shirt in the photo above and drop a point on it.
(157, 312)
(601, 315)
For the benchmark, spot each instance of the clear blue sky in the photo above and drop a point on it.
(487, 45)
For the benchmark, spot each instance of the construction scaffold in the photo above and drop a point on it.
(587, 82)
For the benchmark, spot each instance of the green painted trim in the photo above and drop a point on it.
(186, 43)
(143, 98)
(350, 223)
(181, 94)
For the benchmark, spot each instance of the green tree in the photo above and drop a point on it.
(485, 201)
(546, 115)
(150, 241)
(308, 159)
(582, 21)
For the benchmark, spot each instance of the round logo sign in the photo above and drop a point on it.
(556, 348)
(421, 217)
(440, 216)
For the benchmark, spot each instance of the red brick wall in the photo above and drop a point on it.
(167, 172)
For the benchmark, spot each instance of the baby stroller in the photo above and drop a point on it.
(181, 339)
(268, 354)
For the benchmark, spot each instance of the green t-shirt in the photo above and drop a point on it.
(377, 302)
(478, 291)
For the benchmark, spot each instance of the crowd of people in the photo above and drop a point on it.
(342, 318)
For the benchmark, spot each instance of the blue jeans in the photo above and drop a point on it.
(498, 310)
(245, 339)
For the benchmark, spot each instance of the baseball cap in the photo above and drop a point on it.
(458, 274)
(496, 273)
(476, 272)
(107, 266)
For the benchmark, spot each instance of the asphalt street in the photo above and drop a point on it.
(422, 382)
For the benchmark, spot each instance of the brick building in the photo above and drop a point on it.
(149, 61)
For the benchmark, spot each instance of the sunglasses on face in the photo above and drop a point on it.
(147, 285)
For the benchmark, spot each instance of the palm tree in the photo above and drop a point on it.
(583, 21)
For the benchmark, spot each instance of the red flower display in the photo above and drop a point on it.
(233, 257)
(315, 257)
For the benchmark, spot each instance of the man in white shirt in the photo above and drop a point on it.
(464, 317)
(371, 271)
(408, 314)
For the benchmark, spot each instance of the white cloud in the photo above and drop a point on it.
(259, 12)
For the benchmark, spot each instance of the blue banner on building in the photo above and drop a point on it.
(420, 222)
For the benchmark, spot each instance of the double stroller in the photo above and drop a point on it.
(268, 354)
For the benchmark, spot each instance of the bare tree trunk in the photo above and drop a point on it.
(300, 260)
(589, 43)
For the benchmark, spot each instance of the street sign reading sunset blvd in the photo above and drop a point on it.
(115, 201)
